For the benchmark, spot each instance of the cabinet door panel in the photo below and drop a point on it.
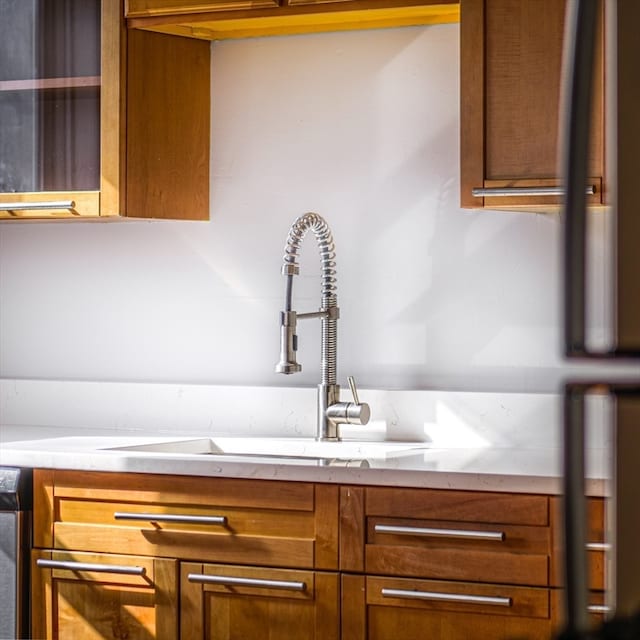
(257, 609)
(511, 76)
(99, 603)
(50, 97)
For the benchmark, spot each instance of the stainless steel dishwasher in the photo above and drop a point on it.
(16, 489)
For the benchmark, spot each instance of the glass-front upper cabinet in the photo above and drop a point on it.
(50, 53)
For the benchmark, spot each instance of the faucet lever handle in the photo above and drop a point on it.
(354, 391)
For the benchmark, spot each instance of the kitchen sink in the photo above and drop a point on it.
(282, 448)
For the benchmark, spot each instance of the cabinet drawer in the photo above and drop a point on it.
(449, 535)
(443, 610)
(223, 601)
(458, 551)
(264, 523)
(458, 596)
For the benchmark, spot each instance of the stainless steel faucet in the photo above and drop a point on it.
(331, 412)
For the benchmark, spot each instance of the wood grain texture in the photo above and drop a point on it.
(558, 608)
(293, 17)
(268, 523)
(168, 127)
(595, 534)
(511, 99)
(240, 521)
(522, 87)
(135, 8)
(91, 605)
(41, 597)
(280, 550)
(162, 489)
(461, 506)
(388, 618)
(352, 528)
(282, 530)
(43, 507)
(326, 526)
(458, 564)
(354, 607)
(525, 601)
(391, 623)
(255, 613)
(112, 110)
(521, 558)
(86, 204)
(192, 611)
(472, 105)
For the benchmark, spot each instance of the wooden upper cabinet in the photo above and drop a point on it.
(167, 127)
(510, 110)
(97, 122)
(245, 18)
(49, 108)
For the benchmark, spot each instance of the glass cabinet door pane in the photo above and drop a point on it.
(49, 95)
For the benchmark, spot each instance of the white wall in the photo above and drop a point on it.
(360, 127)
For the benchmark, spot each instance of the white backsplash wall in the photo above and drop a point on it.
(360, 127)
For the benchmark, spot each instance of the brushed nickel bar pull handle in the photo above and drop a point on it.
(170, 517)
(87, 566)
(447, 597)
(598, 546)
(440, 533)
(598, 608)
(230, 581)
(506, 192)
(32, 206)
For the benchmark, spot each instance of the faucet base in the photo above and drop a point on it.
(328, 394)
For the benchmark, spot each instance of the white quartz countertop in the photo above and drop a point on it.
(512, 469)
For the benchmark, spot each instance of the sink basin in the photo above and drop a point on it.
(282, 448)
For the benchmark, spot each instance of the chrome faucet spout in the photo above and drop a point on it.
(331, 411)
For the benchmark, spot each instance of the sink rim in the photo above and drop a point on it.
(278, 447)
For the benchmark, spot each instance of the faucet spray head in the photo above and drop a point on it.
(288, 344)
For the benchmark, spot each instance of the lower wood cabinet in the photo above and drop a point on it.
(140, 556)
(226, 602)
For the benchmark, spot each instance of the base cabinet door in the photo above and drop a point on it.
(93, 596)
(381, 608)
(225, 602)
